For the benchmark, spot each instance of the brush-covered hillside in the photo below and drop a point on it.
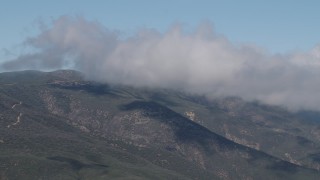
(57, 125)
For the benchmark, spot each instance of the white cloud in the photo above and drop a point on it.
(201, 62)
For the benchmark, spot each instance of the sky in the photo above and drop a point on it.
(277, 25)
(264, 51)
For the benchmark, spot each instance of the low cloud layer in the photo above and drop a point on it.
(201, 62)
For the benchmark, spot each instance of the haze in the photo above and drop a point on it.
(201, 61)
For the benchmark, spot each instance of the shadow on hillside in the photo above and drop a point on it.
(92, 88)
(190, 132)
(185, 130)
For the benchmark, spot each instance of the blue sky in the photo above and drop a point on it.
(277, 25)
(271, 53)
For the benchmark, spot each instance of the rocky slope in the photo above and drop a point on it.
(59, 126)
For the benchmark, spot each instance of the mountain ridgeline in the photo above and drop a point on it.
(57, 125)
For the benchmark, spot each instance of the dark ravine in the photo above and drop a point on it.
(71, 128)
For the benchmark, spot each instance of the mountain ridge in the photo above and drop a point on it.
(139, 121)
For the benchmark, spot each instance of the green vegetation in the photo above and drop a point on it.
(69, 128)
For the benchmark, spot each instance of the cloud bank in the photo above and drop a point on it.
(202, 62)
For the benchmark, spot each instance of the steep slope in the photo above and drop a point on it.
(44, 146)
(98, 131)
(273, 130)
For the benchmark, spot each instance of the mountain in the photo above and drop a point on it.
(57, 125)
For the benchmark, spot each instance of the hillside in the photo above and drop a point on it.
(57, 125)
